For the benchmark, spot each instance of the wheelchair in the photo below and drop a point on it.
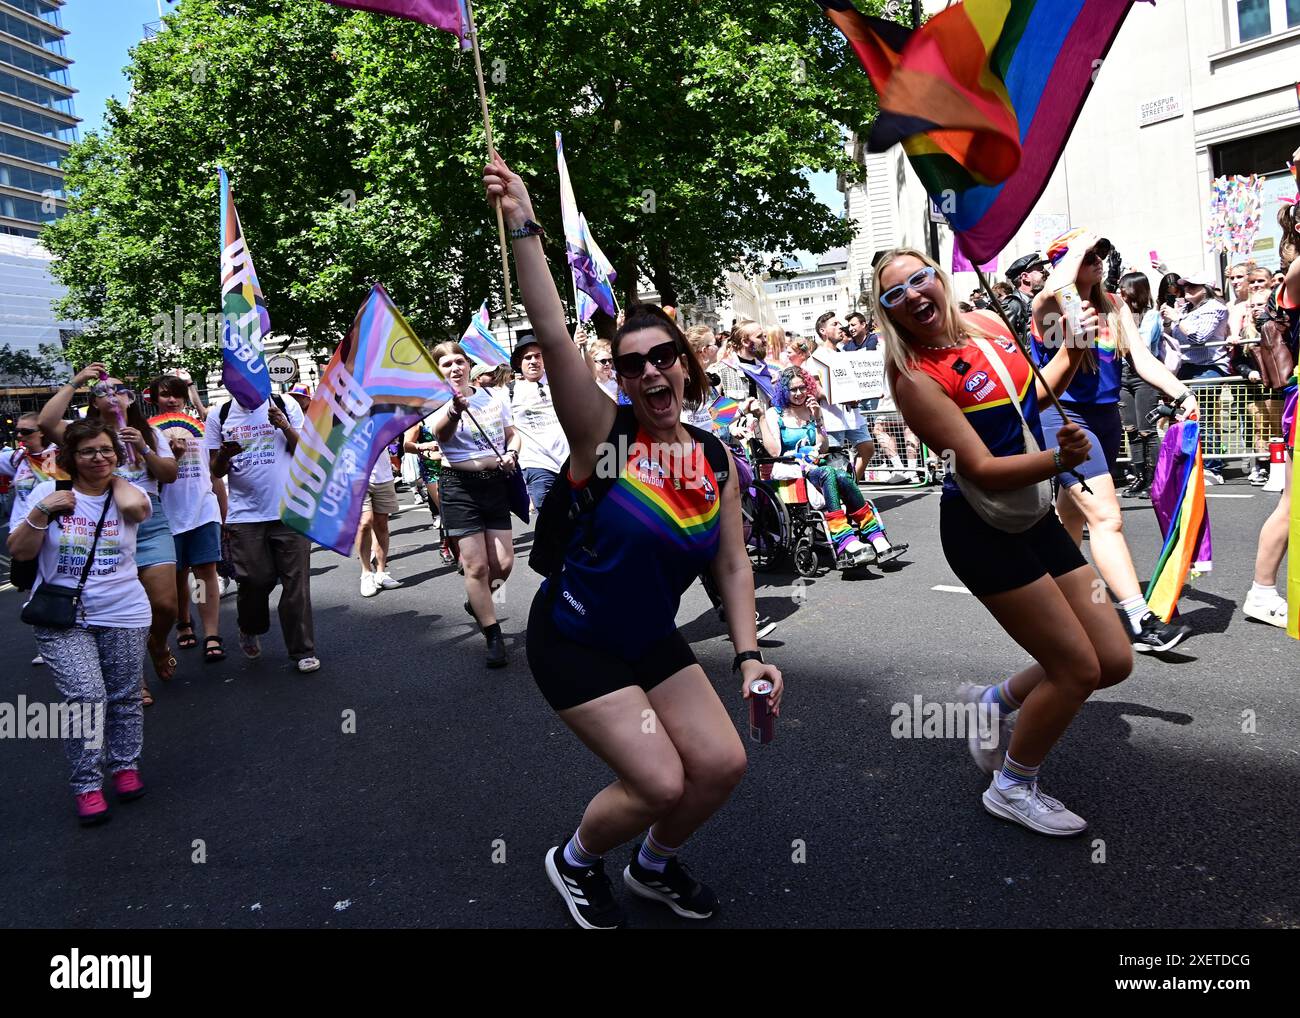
(780, 524)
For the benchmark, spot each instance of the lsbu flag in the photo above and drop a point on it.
(245, 321)
(380, 381)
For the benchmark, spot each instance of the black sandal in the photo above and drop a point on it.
(213, 650)
(183, 641)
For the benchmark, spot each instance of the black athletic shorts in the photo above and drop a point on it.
(570, 674)
(991, 561)
(473, 501)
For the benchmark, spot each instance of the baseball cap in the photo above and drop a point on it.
(1201, 278)
(479, 370)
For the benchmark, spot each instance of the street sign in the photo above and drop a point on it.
(283, 370)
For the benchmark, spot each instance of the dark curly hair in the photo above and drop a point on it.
(76, 433)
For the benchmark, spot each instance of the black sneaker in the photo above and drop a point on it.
(1157, 637)
(496, 651)
(586, 892)
(674, 887)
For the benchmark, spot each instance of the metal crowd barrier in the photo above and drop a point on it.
(1238, 418)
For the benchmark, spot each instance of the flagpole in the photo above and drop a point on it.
(1038, 375)
(487, 133)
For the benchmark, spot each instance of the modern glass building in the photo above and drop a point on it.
(37, 123)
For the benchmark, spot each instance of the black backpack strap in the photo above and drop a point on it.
(585, 500)
(224, 413)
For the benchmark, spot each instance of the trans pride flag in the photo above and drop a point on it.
(1178, 497)
(380, 381)
(589, 276)
(449, 15)
(246, 322)
(479, 342)
(604, 272)
(983, 97)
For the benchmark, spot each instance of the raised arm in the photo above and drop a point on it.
(585, 414)
(51, 420)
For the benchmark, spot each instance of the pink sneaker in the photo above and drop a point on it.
(92, 808)
(127, 785)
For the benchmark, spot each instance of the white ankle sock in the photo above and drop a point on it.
(1135, 608)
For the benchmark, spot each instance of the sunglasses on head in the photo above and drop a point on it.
(895, 295)
(632, 365)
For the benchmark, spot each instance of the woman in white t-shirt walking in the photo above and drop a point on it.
(98, 663)
(475, 488)
(148, 462)
(194, 514)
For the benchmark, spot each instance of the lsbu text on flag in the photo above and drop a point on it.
(380, 381)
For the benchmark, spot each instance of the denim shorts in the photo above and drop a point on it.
(154, 545)
(198, 547)
(849, 438)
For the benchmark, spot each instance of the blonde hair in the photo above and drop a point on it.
(698, 336)
(775, 342)
(899, 355)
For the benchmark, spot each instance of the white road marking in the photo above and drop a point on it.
(944, 588)
(1224, 494)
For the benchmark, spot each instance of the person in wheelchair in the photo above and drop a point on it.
(792, 429)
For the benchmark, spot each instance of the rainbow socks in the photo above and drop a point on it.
(840, 529)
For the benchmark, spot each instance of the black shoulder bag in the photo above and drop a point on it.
(54, 605)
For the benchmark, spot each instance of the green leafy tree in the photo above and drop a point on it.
(354, 145)
(24, 368)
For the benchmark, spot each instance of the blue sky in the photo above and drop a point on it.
(102, 33)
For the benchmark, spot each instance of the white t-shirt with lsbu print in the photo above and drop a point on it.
(257, 475)
(114, 596)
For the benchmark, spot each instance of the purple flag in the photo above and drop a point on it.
(448, 15)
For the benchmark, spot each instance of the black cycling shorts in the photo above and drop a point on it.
(990, 561)
(569, 674)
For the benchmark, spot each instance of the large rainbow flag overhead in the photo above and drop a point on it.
(245, 320)
(983, 97)
(380, 381)
(1178, 497)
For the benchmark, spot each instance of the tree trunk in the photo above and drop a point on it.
(662, 273)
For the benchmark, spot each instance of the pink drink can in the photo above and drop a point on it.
(762, 723)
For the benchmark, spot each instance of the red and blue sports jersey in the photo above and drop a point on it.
(970, 381)
(1099, 386)
(652, 540)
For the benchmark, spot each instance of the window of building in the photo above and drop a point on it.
(28, 61)
(42, 95)
(28, 32)
(36, 123)
(41, 8)
(32, 151)
(1256, 19)
(23, 208)
(31, 180)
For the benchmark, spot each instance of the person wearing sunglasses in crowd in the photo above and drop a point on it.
(86, 536)
(148, 462)
(603, 642)
(32, 462)
(963, 385)
(1092, 402)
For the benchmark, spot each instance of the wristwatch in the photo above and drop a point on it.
(746, 655)
(529, 229)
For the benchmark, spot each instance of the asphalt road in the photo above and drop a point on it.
(405, 822)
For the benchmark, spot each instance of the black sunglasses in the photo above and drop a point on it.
(24, 432)
(632, 365)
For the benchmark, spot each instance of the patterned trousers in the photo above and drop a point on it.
(99, 669)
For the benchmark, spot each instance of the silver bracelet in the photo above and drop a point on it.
(34, 526)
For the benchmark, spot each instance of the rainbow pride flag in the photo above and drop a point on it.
(1178, 497)
(479, 342)
(380, 381)
(723, 410)
(245, 321)
(983, 97)
(1293, 551)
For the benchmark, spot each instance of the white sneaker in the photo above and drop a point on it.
(856, 549)
(1265, 609)
(987, 760)
(1027, 806)
(1259, 477)
(308, 664)
(38, 660)
(225, 586)
(369, 585)
(1212, 477)
(386, 581)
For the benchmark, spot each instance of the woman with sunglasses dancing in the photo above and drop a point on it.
(1092, 402)
(149, 462)
(603, 641)
(963, 387)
